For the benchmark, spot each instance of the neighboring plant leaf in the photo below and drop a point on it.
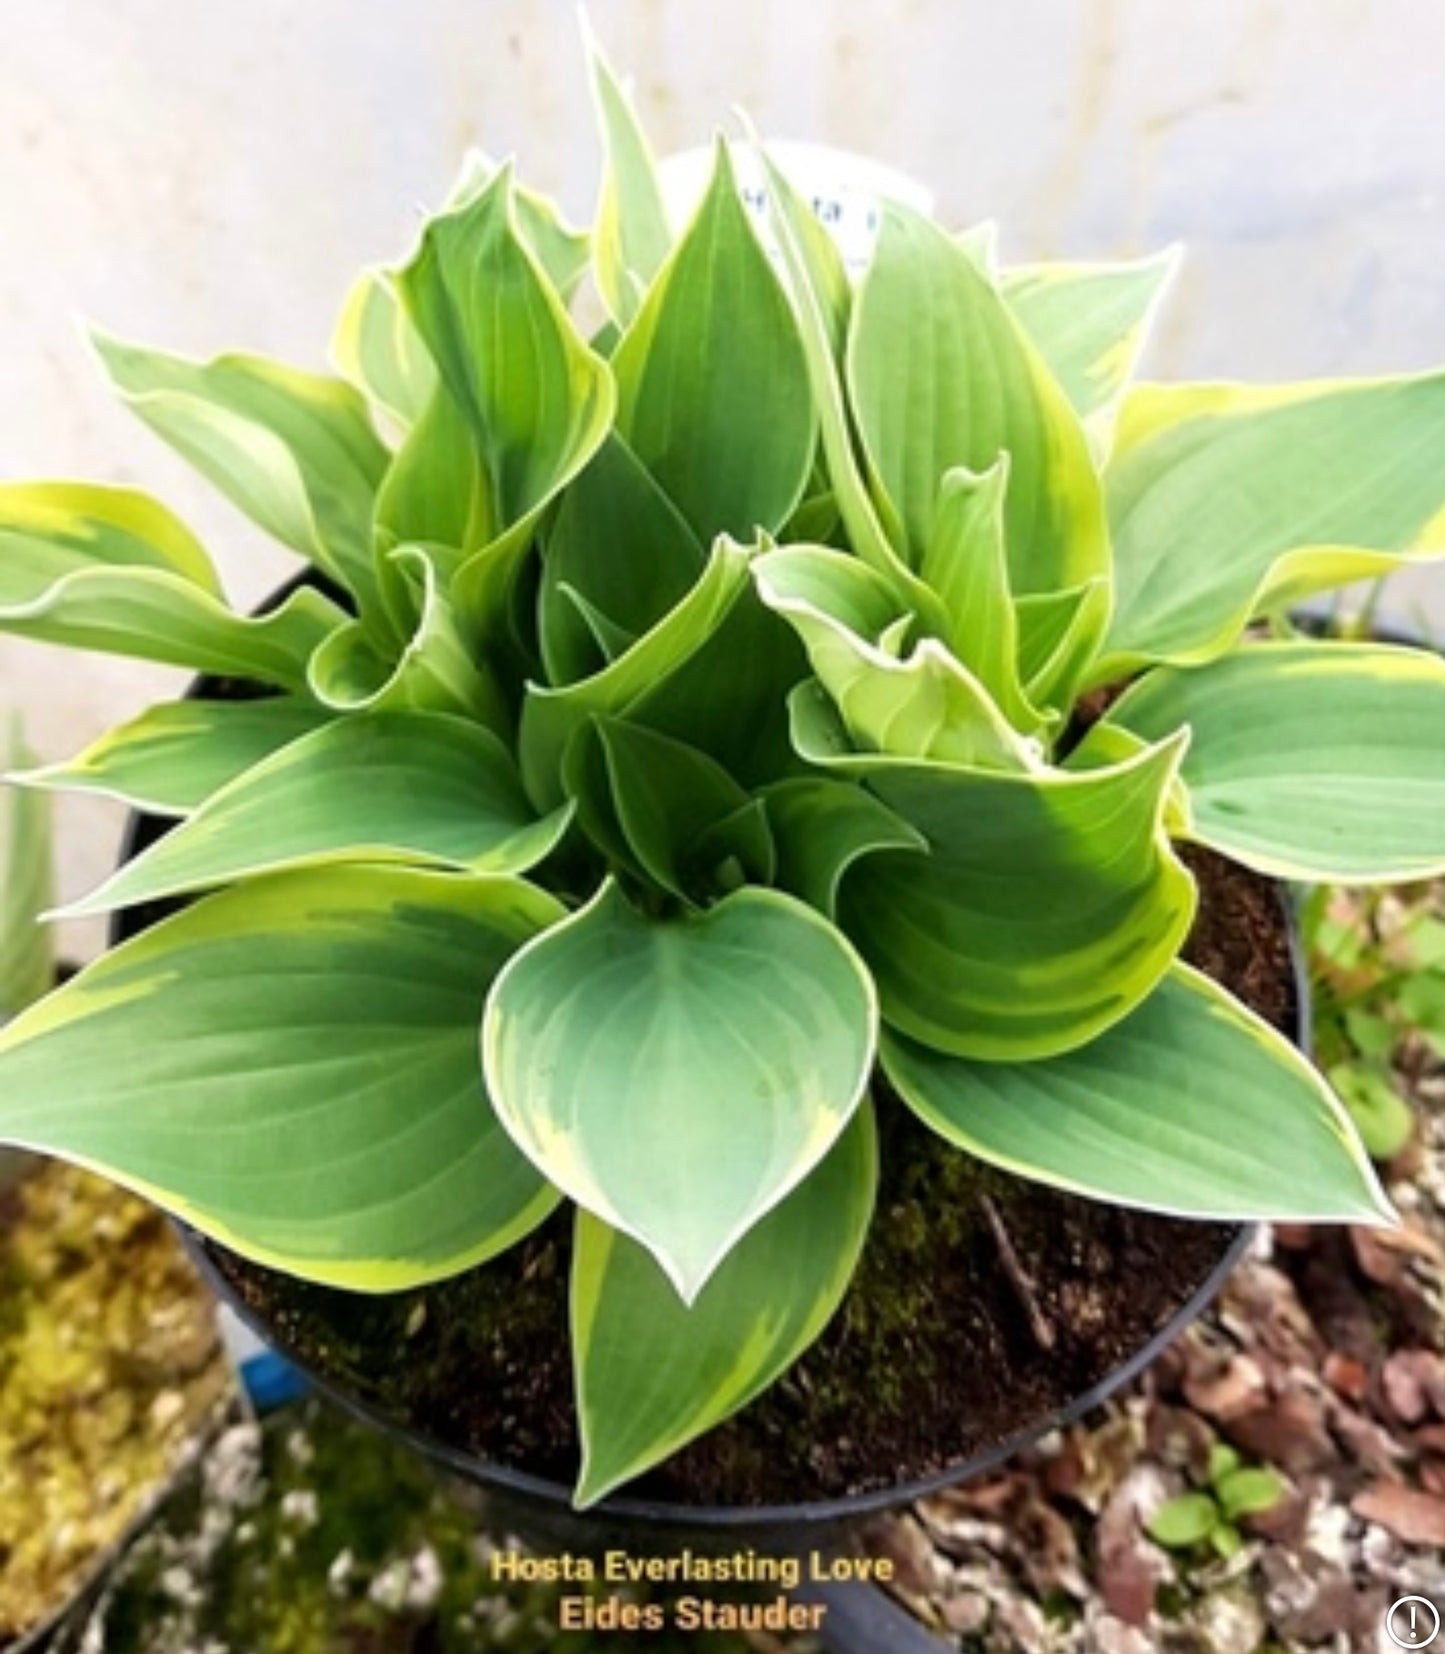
(1048, 906)
(1249, 1491)
(414, 787)
(631, 237)
(652, 1373)
(1322, 762)
(376, 348)
(1091, 323)
(1380, 1115)
(1191, 1105)
(1184, 1521)
(295, 451)
(712, 381)
(821, 827)
(625, 550)
(355, 1145)
(757, 1012)
(927, 706)
(551, 717)
(27, 879)
(1227, 499)
(941, 375)
(537, 400)
(170, 759)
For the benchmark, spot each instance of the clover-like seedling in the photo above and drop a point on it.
(1208, 1517)
(684, 728)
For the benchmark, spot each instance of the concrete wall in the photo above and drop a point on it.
(209, 175)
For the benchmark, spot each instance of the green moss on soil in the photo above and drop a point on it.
(319, 1535)
(109, 1366)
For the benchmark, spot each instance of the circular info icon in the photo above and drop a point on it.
(1412, 1622)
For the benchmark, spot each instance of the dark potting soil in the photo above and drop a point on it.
(982, 1305)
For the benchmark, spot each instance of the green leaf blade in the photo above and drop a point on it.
(1225, 499)
(412, 787)
(713, 389)
(1190, 1105)
(1320, 762)
(653, 1374)
(171, 758)
(357, 1145)
(757, 1011)
(1049, 903)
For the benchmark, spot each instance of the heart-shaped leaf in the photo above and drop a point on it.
(678, 1078)
(355, 1145)
(653, 1373)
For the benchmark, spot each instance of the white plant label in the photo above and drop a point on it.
(844, 190)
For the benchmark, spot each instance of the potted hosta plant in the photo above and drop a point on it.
(788, 720)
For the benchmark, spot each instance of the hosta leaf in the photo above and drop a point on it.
(49, 530)
(376, 348)
(170, 759)
(1090, 322)
(821, 827)
(1059, 636)
(27, 876)
(757, 1012)
(712, 382)
(295, 451)
(622, 548)
(550, 717)
(561, 250)
(1048, 906)
(1190, 1104)
(387, 786)
(537, 400)
(355, 1145)
(653, 1373)
(1228, 498)
(150, 614)
(941, 375)
(966, 564)
(632, 237)
(434, 670)
(667, 797)
(927, 706)
(437, 491)
(1312, 761)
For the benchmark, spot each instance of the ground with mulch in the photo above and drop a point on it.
(1324, 1359)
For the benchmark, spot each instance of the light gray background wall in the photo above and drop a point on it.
(210, 175)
